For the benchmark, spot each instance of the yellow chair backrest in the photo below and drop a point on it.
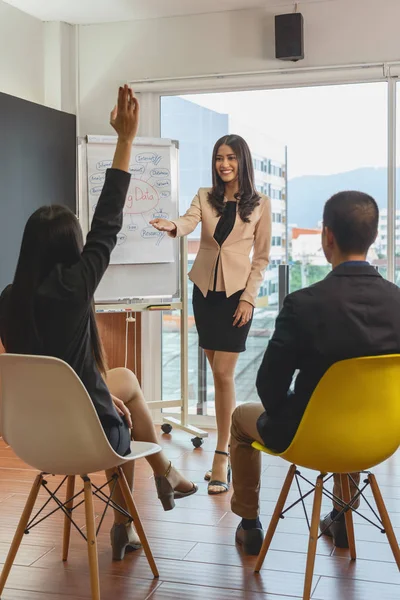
(352, 421)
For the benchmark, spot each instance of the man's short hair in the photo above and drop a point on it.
(353, 219)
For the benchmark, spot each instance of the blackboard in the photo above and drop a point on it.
(37, 167)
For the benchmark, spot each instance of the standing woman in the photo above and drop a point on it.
(235, 219)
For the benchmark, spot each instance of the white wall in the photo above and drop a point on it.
(37, 60)
(59, 66)
(21, 54)
(338, 32)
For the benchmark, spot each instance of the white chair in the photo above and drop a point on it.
(48, 419)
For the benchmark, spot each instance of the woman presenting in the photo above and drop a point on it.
(235, 219)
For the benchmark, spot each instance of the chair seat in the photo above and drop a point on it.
(318, 463)
(141, 450)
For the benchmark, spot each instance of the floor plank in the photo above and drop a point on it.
(170, 591)
(344, 589)
(194, 545)
(330, 566)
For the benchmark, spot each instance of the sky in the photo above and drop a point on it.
(327, 129)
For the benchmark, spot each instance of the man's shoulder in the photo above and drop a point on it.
(389, 286)
(305, 294)
(5, 294)
(327, 288)
(311, 297)
(386, 292)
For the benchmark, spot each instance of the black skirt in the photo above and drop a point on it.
(213, 315)
(119, 436)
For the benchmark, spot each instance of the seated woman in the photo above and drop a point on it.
(49, 310)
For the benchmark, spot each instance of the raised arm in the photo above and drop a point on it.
(184, 225)
(260, 260)
(82, 278)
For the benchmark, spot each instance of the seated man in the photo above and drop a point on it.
(352, 312)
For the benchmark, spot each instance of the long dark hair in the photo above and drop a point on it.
(52, 236)
(247, 196)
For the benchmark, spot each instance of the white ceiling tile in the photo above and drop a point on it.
(105, 11)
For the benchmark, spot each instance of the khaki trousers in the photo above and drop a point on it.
(246, 464)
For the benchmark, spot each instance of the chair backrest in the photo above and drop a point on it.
(48, 418)
(352, 421)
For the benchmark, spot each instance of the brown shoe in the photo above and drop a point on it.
(250, 539)
(336, 529)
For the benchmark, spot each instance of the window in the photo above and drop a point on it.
(275, 170)
(273, 288)
(315, 150)
(276, 194)
(258, 165)
(276, 240)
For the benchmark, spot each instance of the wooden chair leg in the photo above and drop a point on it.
(123, 484)
(313, 539)
(275, 518)
(23, 522)
(348, 515)
(67, 522)
(91, 540)
(385, 518)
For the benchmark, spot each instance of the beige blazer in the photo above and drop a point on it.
(235, 269)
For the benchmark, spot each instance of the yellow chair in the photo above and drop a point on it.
(351, 424)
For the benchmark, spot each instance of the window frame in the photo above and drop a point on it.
(150, 93)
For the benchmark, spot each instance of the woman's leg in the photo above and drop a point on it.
(223, 367)
(123, 384)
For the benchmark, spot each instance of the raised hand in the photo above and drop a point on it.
(125, 115)
(163, 225)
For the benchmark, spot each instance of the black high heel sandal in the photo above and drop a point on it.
(208, 473)
(223, 484)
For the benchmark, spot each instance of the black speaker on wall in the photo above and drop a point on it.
(289, 39)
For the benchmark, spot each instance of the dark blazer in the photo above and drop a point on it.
(352, 312)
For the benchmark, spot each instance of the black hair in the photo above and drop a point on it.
(52, 236)
(247, 196)
(353, 219)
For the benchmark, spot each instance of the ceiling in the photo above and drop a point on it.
(106, 11)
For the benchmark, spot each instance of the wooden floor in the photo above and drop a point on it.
(194, 544)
